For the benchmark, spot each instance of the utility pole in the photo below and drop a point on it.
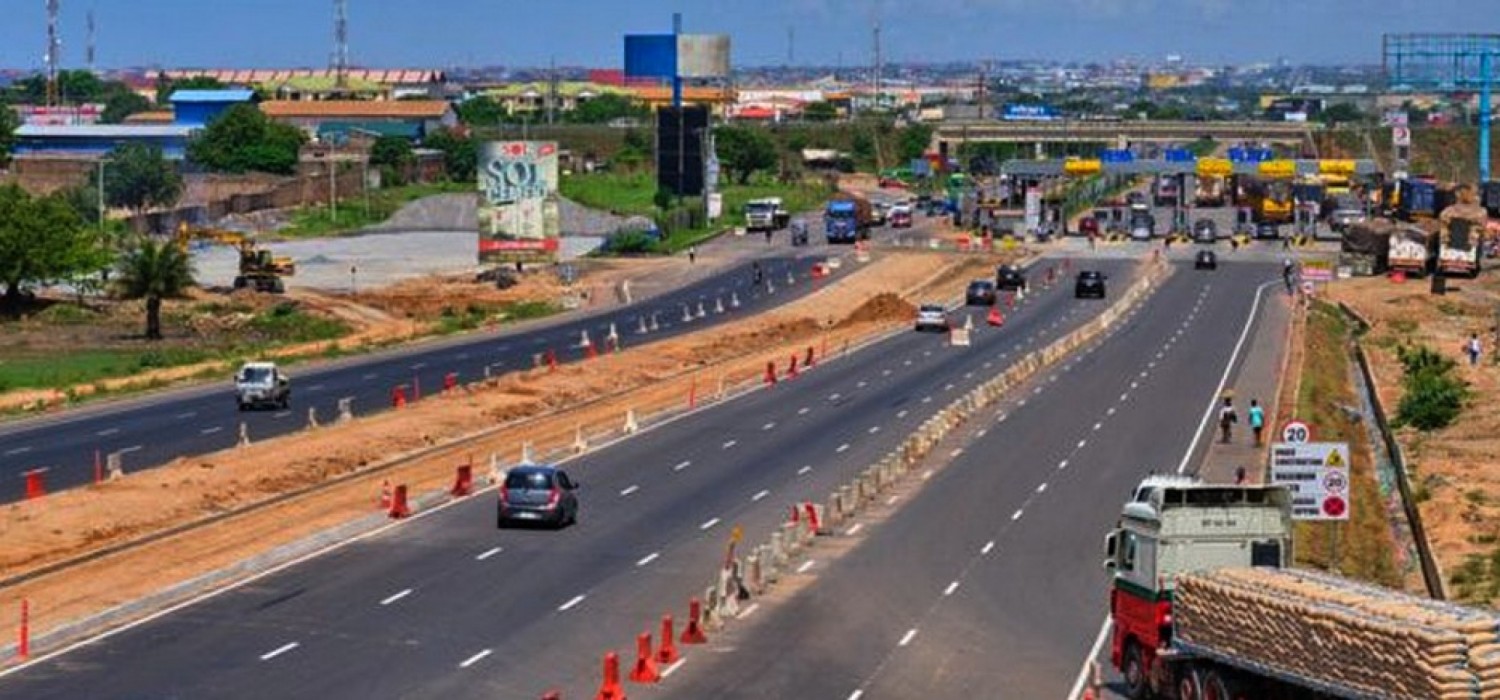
(878, 65)
(552, 91)
(54, 52)
(89, 50)
(341, 43)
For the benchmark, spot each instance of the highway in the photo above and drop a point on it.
(988, 583)
(157, 428)
(445, 605)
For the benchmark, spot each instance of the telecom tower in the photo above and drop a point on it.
(89, 50)
(879, 66)
(341, 42)
(54, 52)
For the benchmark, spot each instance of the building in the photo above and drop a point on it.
(531, 98)
(199, 107)
(322, 84)
(718, 100)
(336, 119)
(98, 139)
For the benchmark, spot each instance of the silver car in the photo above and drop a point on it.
(543, 495)
(932, 317)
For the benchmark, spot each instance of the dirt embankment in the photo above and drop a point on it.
(1456, 480)
(590, 397)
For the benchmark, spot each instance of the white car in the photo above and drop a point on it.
(932, 317)
(262, 384)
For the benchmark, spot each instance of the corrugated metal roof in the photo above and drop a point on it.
(228, 95)
(103, 130)
(401, 109)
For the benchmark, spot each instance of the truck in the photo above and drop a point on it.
(1411, 250)
(1269, 200)
(1209, 191)
(766, 214)
(262, 384)
(1203, 604)
(1461, 234)
(848, 218)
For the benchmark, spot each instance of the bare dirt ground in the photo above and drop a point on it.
(1454, 474)
(590, 397)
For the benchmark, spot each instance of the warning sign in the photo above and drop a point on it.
(1317, 474)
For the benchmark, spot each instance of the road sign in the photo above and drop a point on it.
(1317, 270)
(1401, 135)
(1317, 474)
(1296, 432)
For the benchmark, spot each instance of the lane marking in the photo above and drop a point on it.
(282, 414)
(854, 529)
(1098, 425)
(1111, 411)
(398, 596)
(486, 554)
(1081, 443)
(682, 465)
(805, 566)
(906, 638)
(278, 651)
(874, 429)
(833, 397)
(419, 365)
(885, 373)
(891, 501)
(682, 660)
(1015, 516)
(803, 411)
(842, 447)
(571, 603)
(474, 659)
(210, 431)
(747, 611)
(730, 444)
(950, 589)
(107, 432)
(856, 695)
(709, 524)
(768, 426)
(981, 432)
(132, 448)
(189, 414)
(1063, 464)
(369, 376)
(927, 399)
(648, 559)
(315, 387)
(759, 495)
(901, 414)
(862, 384)
(629, 489)
(18, 451)
(948, 388)
(1042, 488)
(988, 547)
(805, 469)
(956, 452)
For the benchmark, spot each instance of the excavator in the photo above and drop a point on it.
(259, 269)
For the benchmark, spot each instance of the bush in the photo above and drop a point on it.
(630, 242)
(1433, 397)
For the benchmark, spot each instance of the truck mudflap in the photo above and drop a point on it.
(1187, 658)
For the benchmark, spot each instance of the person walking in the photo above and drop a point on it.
(1227, 418)
(1257, 420)
(1289, 276)
(1473, 349)
(1239, 475)
(692, 254)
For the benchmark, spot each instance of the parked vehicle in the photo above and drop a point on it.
(1205, 231)
(262, 384)
(1205, 260)
(537, 494)
(900, 215)
(1411, 250)
(1142, 224)
(1461, 233)
(847, 218)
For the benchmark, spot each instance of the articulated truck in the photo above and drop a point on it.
(1461, 233)
(848, 218)
(1204, 607)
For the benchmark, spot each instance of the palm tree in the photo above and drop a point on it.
(153, 270)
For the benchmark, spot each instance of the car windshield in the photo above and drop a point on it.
(979, 285)
(528, 480)
(255, 375)
(1088, 275)
(758, 207)
(931, 309)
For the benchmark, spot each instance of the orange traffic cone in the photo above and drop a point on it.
(645, 662)
(611, 689)
(667, 653)
(692, 633)
(995, 318)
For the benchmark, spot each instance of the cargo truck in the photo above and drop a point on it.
(848, 218)
(1165, 191)
(1203, 607)
(1209, 191)
(1411, 250)
(766, 214)
(1461, 233)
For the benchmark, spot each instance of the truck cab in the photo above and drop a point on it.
(260, 384)
(1173, 526)
(765, 214)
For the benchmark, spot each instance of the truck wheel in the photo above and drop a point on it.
(1189, 686)
(1213, 686)
(1137, 685)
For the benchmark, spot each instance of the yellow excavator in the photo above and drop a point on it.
(259, 269)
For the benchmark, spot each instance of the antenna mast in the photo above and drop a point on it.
(341, 42)
(54, 52)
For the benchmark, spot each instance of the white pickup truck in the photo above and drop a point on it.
(262, 384)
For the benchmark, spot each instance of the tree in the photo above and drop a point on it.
(606, 108)
(1343, 113)
(392, 155)
(460, 154)
(9, 122)
(242, 139)
(139, 177)
(153, 269)
(913, 141)
(743, 150)
(123, 104)
(42, 240)
(481, 111)
(820, 112)
(166, 86)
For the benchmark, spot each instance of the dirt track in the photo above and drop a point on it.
(866, 302)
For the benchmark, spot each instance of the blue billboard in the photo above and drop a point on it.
(1034, 113)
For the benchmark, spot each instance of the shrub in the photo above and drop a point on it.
(1433, 396)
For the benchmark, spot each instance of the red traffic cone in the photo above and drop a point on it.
(808, 362)
(399, 506)
(771, 373)
(463, 481)
(995, 318)
(667, 654)
(611, 689)
(385, 496)
(693, 632)
(791, 368)
(645, 662)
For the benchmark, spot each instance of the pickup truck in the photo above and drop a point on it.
(260, 384)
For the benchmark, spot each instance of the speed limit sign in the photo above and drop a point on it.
(1296, 432)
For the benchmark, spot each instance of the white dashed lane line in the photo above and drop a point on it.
(988, 547)
(730, 444)
(874, 429)
(18, 451)
(486, 554)
(759, 495)
(395, 597)
(210, 431)
(107, 432)
(768, 426)
(804, 470)
(572, 603)
(629, 489)
(278, 651)
(842, 447)
(474, 659)
(682, 465)
(805, 566)
(803, 411)
(950, 589)
(906, 638)
(709, 524)
(183, 416)
(648, 559)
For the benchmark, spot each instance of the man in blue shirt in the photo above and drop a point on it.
(1257, 420)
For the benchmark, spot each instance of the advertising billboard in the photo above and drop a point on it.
(677, 55)
(1029, 113)
(518, 216)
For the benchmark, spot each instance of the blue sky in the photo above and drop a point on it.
(441, 33)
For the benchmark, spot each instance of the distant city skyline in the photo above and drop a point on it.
(446, 33)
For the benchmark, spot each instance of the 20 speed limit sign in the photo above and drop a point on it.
(1296, 432)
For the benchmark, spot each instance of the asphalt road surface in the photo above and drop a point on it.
(988, 583)
(155, 429)
(445, 605)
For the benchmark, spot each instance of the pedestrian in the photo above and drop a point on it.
(1239, 475)
(1257, 420)
(1473, 349)
(1289, 276)
(692, 254)
(755, 273)
(768, 236)
(1227, 419)
(1234, 243)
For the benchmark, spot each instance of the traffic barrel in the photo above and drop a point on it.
(692, 633)
(463, 481)
(398, 396)
(645, 670)
(399, 506)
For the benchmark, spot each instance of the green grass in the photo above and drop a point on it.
(473, 316)
(632, 194)
(353, 214)
(58, 370)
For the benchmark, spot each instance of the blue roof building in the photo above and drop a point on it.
(100, 139)
(198, 107)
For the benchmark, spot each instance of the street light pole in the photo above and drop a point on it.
(101, 193)
(333, 204)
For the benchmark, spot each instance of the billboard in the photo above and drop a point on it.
(1022, 113)
(677, 55)
(518, 216)
(679, 149)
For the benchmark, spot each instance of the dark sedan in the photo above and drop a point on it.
(980, 293)
(1206, 260)
(538, 494)
(1090, 283)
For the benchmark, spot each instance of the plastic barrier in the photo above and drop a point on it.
(399, 507)
(463, 481)
(692, 633)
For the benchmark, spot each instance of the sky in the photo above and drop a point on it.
(446, 33)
